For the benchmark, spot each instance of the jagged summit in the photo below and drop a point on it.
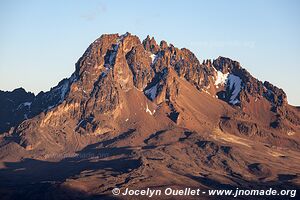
(119, 78)
(114, 63)
(149, 108)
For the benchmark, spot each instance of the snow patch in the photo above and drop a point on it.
(25, 104)
(64, 89)
(153, 58)
(61, 90)
(221, 78)
(152, 92)
(149, 111)
(235, 84)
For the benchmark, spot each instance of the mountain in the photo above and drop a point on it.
(144, 115)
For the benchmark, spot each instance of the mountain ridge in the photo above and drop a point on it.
(223, 66)
(151, 107)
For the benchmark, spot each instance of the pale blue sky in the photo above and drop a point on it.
(40, 41)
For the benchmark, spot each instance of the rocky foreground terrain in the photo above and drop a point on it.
(137, 114)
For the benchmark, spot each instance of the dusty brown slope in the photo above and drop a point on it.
(137, 114)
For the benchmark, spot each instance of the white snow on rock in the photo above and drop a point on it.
(151, 92)
(221, 78)
(63, 90)
(154, 58)
(234, 83)
(25, 104)
(149, 111)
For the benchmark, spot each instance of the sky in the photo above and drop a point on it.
(40, 41)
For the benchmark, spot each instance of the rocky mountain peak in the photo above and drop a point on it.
(122, 62)
(133, 108)
(150, 45)
(114, 66)
(226, 65)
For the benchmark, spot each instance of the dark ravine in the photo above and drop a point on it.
(148, 108)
